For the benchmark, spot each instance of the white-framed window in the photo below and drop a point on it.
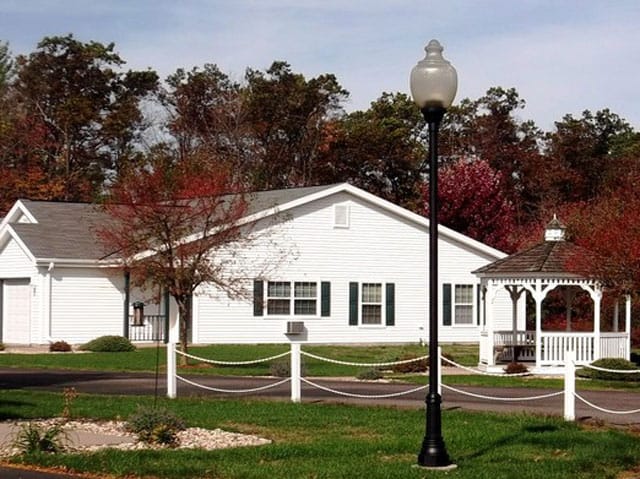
(463, 305)
(298, 298)
(371, 304)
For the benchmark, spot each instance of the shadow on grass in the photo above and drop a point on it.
(5, 415)
(522, 437)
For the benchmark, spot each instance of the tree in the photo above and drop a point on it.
(588, 149)
(6, 65)
(473, 201)
(177, 226)
(379, 149)
(489, 129)
(88, 110)
(288, 115)
(608, 228)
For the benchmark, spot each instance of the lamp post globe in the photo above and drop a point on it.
(433, 84)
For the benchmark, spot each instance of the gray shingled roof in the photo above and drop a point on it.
(66, 230)
(548, 258)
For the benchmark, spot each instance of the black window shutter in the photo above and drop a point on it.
(390, 304)
(258, 297)
(325, 298)
(353, 304)
(478, 304)
(446, 304)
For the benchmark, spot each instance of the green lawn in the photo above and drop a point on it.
(144, 359)
(338, 441)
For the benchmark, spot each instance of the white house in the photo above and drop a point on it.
(355, 272)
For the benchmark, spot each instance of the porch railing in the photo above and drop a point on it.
(614, 345)
(151, 329)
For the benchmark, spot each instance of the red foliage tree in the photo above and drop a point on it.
(473, 201)
(170, 225)
(609, 227)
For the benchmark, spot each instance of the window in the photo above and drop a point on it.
(371, 303)
(281, 301)
(463, 304)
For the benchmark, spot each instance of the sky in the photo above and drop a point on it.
(562, 56)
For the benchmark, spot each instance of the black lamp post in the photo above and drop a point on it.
(433, 84)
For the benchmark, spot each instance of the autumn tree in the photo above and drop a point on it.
(176, 225)
(591, 150)
(609, 229)
(490, 129)
(379, 149)
(88, 110)
(6, 65)
(473, 202)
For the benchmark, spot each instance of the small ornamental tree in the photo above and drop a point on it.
(473, 201)
(170, 223)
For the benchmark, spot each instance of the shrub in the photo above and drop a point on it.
(2, 347)
(109, 344)
(370, 374)
(59, 347)
(515, 368)
(155, 425)
(417, 366)
(33, 439)
(610, 363)
(282, 368)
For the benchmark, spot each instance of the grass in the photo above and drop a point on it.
(144, 360)
(339, 441)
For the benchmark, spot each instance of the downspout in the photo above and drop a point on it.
(47, 301)
(127, 300)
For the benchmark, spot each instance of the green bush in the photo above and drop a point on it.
(109, 344)
(617, 364)
(370, 374)
(417, 366)
(155, 425)
(59, 347)
(33, 439)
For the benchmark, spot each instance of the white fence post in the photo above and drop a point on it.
(440, 371)
(295, 372)
(569, 385)
(171, 370)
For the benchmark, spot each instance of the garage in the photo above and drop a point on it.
(16, 311)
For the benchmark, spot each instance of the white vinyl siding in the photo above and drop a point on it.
(86, 303)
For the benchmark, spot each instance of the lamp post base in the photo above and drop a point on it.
(433, 452)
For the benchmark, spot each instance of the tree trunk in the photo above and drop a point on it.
(184, 309)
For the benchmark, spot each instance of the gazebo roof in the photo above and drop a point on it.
(548, 258)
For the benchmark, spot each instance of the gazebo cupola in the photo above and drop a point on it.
(555, 230)
(536, 272)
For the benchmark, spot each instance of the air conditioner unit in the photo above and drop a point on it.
(295, 327)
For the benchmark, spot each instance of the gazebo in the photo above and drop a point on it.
(538, 271)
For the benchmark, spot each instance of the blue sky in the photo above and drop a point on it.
(563, 56)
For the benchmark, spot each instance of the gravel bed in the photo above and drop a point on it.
(193, 437)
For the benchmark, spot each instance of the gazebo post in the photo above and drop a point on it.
(597, 298)
(538, 297)
(627, 325)
(489, 321)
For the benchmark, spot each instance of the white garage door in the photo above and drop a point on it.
(16, 311)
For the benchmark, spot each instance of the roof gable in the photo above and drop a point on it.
(65, 231)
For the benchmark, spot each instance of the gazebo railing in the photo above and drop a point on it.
(553, 345)
(614, 345)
